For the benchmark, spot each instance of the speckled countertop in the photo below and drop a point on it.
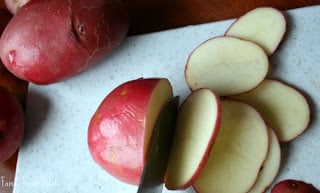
(54, 156)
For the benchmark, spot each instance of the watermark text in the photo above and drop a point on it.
(43, 182)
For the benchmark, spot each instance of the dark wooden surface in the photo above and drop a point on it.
(150, 16)
(156, 15)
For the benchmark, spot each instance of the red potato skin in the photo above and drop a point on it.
(11, 124)
(294, 186)
(116, 130)
(48, 41)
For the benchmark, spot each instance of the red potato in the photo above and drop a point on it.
(120, 130)
(49, 41)
(11, 124)
(294, 186)
(14, 5)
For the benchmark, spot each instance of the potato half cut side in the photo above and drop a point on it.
(283, 107)
(270, 166)
(227, 65)
(120, 130)
(197, 128)
(264, 26)
(240, 149)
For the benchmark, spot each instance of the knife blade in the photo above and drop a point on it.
(154, 171)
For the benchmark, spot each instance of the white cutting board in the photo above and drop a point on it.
(54, 157)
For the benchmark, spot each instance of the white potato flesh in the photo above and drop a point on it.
(240, 149)
(265, 26)
(161, 94)
(197, 128)
(270, 166)
(283, 107)
(227, 65)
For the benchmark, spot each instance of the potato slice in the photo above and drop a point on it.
(227, 65)
(265, 26)
(270, 166)
(197, 128)
(240, 149)
(283, 107)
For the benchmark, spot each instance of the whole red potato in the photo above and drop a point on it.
(11, 124)
(294, 186)
(48, 41)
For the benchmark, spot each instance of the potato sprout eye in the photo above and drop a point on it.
(294, 185)
(81, 29)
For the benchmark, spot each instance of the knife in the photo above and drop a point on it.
(154, 171)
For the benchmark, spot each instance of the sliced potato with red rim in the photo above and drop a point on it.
(227, 65)
(270, 166)
(283, 107)
(264, 26)
(238, 153)
(197, 128)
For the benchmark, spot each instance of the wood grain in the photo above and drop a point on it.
(150, 16)
(156, 15)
